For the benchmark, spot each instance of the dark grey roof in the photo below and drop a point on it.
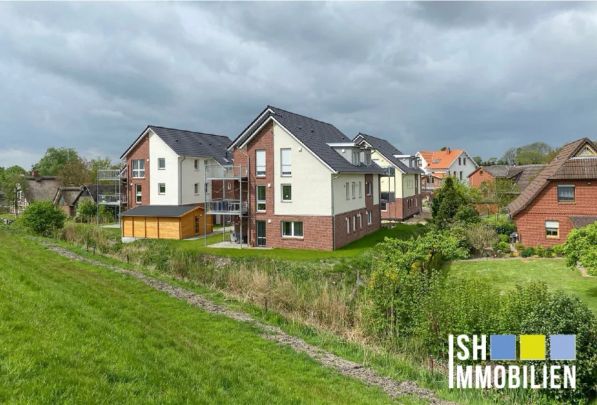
(159, 210)
(388, 151)
(498, 171)
(189, 143)
(582, 221)
(315, 135)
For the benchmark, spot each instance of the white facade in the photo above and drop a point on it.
(313, 182)
(460, 168)
(178, 176)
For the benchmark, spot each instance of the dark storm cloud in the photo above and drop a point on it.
(484, 76)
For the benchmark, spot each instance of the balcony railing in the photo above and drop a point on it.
(231, 207)
(110, 199)
(225, 172)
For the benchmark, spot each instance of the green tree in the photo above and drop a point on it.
(453, 202)
(43, 217)
(74, 173)
(54, 160)
(98, 164)
(12, 181)
(533, 153)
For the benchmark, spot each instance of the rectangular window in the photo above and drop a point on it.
(369, 218)
(196, 188)
(354, 223)
(286, 192)
(286, 162)
(369, 187)
(292, 229)
(360, 189)
(355, 157)
(552, 229)
(161, 163)
(347, 191)
(360, 221)
(354, 189)
(459, 162)
(138, 193)
(138, 168)
(460, 175)
(196, 164)
(260, 163)
(161, 188)
(260, 196)
(347, 225)
(565, 193)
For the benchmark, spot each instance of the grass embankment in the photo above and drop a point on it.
(75, 333)
(506, 273)
(356, 248)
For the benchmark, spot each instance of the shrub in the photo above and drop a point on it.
(581, 248)
(502, 247)
(43, 218)
(86, 211)
(480, 237)
(527, 252)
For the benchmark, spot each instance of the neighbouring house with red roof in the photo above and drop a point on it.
(561, 197)
(445, 162)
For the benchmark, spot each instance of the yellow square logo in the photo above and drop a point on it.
(532, 347)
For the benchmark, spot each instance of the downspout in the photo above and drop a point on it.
(333, 215)
(180, 181)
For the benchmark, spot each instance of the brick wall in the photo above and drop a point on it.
(479, 177)
(531, 221)
(140, 151)
(403, 208)
(343, 237)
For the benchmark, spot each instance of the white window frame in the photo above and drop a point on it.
(196, 188)
(160, 185)
(347, 225)
(550, 226)
(258, 201)
(354, 223)
(260, 167)
(138, 172)
(286, 164)
(369, 187)
(360, 189)
(369, 218)
(282, 192)
(347, 191)
(293, 231)
(138, 193)
(161, 163)
(354, 190)
(196, 164)
(360, 221)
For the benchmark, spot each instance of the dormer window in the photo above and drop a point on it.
(356, 157)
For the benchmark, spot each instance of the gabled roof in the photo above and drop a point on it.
(523, 175)
(315, 135)
(189, 143)
(554, 170)
(166, 211)
(497, 171)
(67, 193)
(441, 159)
(387, 150)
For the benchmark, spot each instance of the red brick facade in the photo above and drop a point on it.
(140, 151)
(402, 208)
(545, 207)
(319, 232)
(479, 176)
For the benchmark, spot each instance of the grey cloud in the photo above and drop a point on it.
(485, 76)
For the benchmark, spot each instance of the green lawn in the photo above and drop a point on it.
(506, 273)
(74, 333)
(356, 248)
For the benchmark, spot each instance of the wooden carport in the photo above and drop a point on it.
(165, 222)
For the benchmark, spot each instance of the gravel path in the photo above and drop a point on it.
(348, 368)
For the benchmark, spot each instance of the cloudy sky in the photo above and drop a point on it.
(483, 76)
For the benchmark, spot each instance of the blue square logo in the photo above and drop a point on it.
(503, 347)
(562, 347)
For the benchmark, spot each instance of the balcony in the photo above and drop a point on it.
(226, 207)
(217, 172)
(110, 199)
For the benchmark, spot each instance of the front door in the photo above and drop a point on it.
(260, 233)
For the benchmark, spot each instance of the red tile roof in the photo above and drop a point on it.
(440, 159)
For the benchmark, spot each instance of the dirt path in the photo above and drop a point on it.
(348, 368)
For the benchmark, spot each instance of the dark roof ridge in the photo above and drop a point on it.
(185, 130)
(300, 115)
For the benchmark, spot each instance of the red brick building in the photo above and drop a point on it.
(562, 196)
(308, 185)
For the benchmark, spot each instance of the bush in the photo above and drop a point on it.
(86, 211)
(480, 237)
(502, 247)
(581, 248)
(43, 218)
(527, 252)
